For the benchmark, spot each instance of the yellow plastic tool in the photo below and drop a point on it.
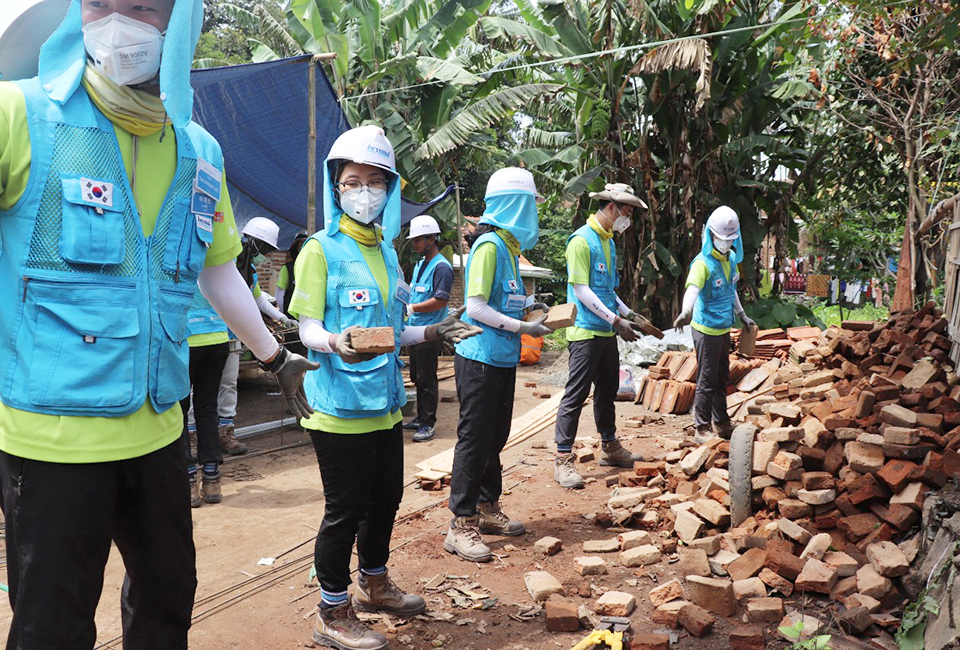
(614, 640)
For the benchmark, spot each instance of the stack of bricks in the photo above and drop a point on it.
(847, 448)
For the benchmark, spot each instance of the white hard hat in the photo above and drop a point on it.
(423, 225)
(618, 193)
(21, 40)
(263, 229)
(512, 179)
(366, 145)
(724, 223)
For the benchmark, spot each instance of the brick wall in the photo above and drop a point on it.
(269, 271)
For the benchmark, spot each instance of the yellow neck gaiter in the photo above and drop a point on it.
(597, 228)
(134, 111)
(365, 235)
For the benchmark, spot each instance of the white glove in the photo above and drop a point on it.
(343, 346)
(534, 328)
(683, 319)
(409, 309)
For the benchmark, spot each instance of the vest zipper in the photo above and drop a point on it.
(25, 281)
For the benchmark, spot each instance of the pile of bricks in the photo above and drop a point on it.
(847, 447)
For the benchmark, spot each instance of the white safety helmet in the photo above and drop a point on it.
(263, 229)
(367, 145)
(423, 225)
(21, 40)
(512, 179)
(724, 223)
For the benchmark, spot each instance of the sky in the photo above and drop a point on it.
(10, 9)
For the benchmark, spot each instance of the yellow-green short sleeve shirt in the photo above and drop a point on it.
(283, 279)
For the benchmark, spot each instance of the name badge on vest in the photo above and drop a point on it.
(98, 194)
(208, 179)
(205, 224)
(200, 203)
(359, 298)
(516, 301)
(601, 267)
(420, 289)
(403, 292)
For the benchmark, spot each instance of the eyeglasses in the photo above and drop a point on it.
(377, 184)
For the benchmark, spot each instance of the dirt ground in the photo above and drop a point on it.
(273, 504)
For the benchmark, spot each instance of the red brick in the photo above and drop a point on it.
(781, 559)
(372, 340)
(868, 489)
(833, 460)
(695, 620)
(896, 473)
(931, 476)
(748, 564)
(818, 481)
(650, 642)
(899, 516)
(561, 616)
(859, 526)
(846, 507)
(647, 468)
(884, 533)
(748, 637)
(812, 457)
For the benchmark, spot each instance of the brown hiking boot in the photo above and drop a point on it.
(195, 499)
(494, 521)
(380, 594)
(703, 434)
(613, 453)
(211, 488)
(229, 442)
(463, 538)
(338, 627)
(724, 430)
(565, 472)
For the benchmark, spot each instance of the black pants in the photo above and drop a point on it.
(713, 373)
(594, 362)
(486, 411)
(423, 371)
(362, 475)
(206, 368)
(60, 520)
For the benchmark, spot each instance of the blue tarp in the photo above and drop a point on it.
(259, 114)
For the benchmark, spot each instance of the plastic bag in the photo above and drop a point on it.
(626, 390)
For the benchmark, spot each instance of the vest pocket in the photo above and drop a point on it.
(91, 231)
(173, 366)
(362, 386)
(359, 306)
(84, 354)
(187, 240)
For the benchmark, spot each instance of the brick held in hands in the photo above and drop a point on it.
(561, 316)
(372, 340)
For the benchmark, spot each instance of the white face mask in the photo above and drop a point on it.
(124, 49)
(622, 222)
(363, 203)
(723, 246)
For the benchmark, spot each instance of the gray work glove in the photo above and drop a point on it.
(286, 321)
(289, 369)
(452, 329)
(625, 329)
(343, 346)
(683, 319)
(538, 305)
(747, 322)
(534, 328)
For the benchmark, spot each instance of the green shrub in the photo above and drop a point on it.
(771, 313)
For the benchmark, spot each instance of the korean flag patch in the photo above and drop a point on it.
(97, 192)
(360, 296)
(601, 267)
(718, 283)
(512, 285)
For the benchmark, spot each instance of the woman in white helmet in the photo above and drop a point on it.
(348, 276)
(711, 301)
(486, 366)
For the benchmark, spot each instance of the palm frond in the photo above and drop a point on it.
(480, 115)
(693, 54)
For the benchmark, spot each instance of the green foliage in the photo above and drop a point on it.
(830, 314)
(556, 223)
(556, 341)
(774, 312)
(913, 623)
(795, 634)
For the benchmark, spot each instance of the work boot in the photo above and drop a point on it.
(195, 499)
(565, 472)
(463, 538)
(412, 425)
(424, 433)
(494, 521)
(338, 627)
(613, 453)
(229, 442)
(724, 430)
(193, 444)
(211, 488)
(703, 434)
(380, 594)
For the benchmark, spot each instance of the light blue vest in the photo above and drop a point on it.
(93, 317)
(202, 318)
(714, 306)
(370, 388)
(423, 291)
(493, 346)
(603, 281)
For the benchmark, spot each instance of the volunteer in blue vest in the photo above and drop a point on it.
(348, 276)
(113, 208)
(431, 282)
(486, 365)
(592, 281)
(711, 302)
(209, 348)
